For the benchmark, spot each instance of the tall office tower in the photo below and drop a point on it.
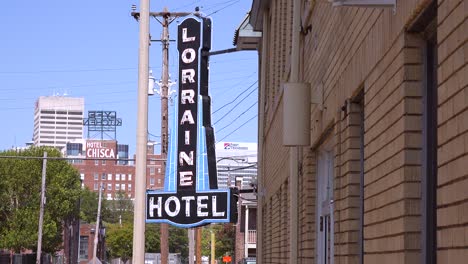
(58, 120)
(236, 162)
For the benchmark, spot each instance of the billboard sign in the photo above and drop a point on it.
(98, 150)
(191, 196)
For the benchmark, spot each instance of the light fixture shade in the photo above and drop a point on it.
(296, 114)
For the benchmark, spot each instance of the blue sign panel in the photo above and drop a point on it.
(191, 196)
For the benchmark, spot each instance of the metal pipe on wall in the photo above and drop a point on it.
(295, 153)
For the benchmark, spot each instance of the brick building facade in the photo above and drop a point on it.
(382, 179)
(100, 166)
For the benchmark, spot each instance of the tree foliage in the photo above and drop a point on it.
(120, 240)
(88, 205)
(178, 241)
(224, 239)
(20, 193)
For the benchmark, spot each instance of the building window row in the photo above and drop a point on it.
(117, 187)
(108, 176)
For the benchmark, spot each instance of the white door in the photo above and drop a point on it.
(324, 207)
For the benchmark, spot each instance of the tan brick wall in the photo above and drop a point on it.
(307, 208)
(452, 194)
(349, 49)
(392, 221)
(347, 182)
(276, 228)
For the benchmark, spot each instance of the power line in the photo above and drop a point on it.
(233, 2)
(70, 86)
(230, 61)
(86, 104)
(185, 6)
(59, 71)
(236, 97)
(237, 117)
(237, 128)
(232, 109)
(213, 5)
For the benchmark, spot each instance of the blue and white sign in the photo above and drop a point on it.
(191, 196)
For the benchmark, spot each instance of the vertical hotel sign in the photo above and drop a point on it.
(191, 196)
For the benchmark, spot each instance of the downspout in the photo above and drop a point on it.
(295, 152)
(261, 110)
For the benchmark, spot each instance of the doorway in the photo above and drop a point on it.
(325, 219)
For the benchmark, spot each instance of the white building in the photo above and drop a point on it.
(236, 161)
(58, 120)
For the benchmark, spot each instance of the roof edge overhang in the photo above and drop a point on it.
(256, 13)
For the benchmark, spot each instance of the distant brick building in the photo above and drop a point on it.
(381, 177)
(106, 162)
(100, 166)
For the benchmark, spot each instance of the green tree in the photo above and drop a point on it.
(20, 192)
(178, 241)
(120, 209)
(225, 239)
(88, 205)
(120, 240)
(152, 238)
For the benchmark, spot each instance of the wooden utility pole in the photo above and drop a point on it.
(167, 18)
(213, 247)
(164, 125)
(41, 210)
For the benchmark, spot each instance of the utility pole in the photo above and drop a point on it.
(167, 18)
(164, 238)
(213, 247)
(41, 210)
(198, 230)
(143, 16)
(191, 237)
(141, 135)
(96, 232)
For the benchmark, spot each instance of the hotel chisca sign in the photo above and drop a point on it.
(191, 196)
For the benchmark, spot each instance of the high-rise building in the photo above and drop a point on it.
(236, 161)
(58, 120)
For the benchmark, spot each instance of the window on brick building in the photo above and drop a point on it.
(129, 177)
(109, 177)
(96, 186)
(152, 170)
(117, 177)
(123, 177)
(96, 176)
(151, 181)
(109, 186)
(84, 247)
(129, 187)
(123, 186)
(103, 176)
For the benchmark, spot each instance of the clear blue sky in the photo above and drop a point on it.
(89, 49)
